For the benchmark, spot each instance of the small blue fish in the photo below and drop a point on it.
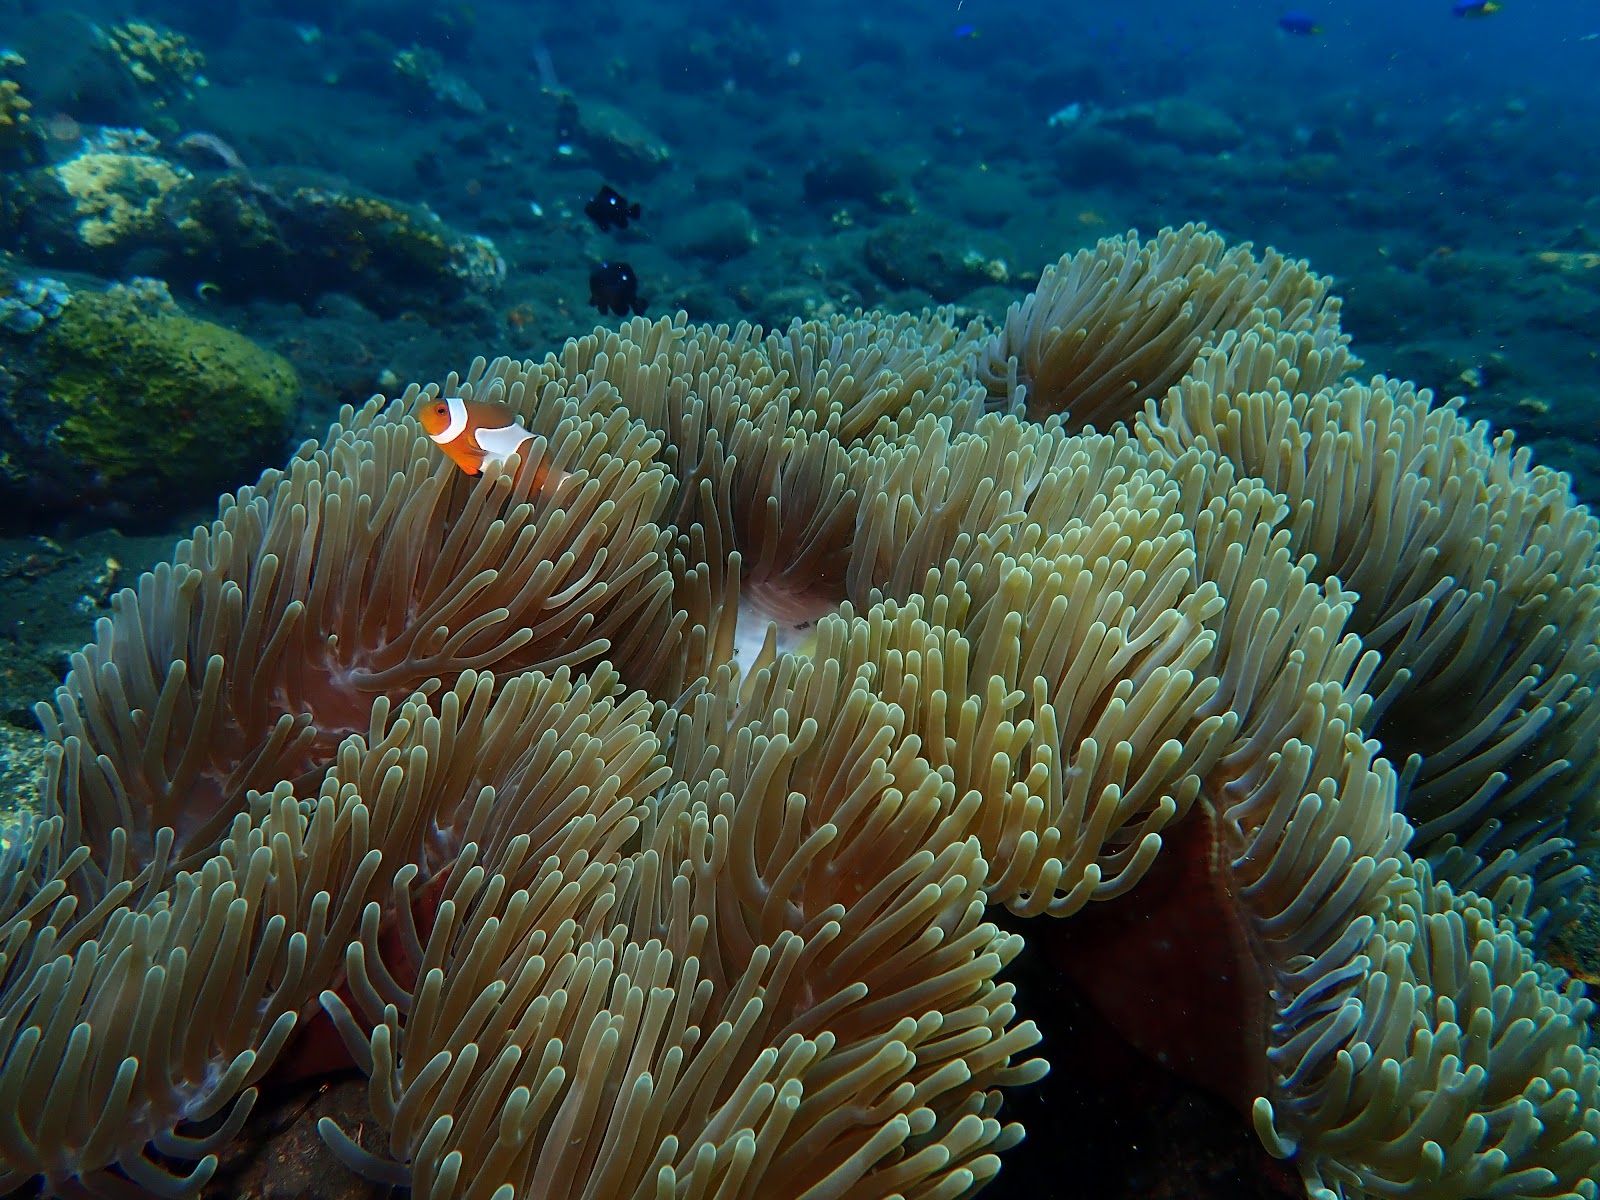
(965, 33)
(1299, 24)
(1474, 8)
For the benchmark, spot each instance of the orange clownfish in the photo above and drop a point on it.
(473, 432)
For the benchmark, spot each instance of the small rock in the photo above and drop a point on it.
(935, 257)
(621, 146)
(852, 174)
(1177, 121)
(721, 230)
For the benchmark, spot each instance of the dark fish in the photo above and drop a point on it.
(609, 209)
(1474, 8)
(1299, 24)
(614, 288)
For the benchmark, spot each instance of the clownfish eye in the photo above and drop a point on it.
(440, 410)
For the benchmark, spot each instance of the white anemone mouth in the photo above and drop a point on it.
(792, 615)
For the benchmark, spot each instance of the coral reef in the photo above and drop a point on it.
(628, 815)
(118, 197)
(18, 134)
(160, 61)
(27, 302)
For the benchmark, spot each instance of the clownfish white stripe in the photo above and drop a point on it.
(473, 432)
(458, 423)
(499, 444)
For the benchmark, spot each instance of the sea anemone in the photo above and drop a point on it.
(528, 796)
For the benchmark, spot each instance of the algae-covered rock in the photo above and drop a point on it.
(123, 403)
(123, 197)
(300, 241)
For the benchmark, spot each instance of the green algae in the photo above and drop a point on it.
(132, 398)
